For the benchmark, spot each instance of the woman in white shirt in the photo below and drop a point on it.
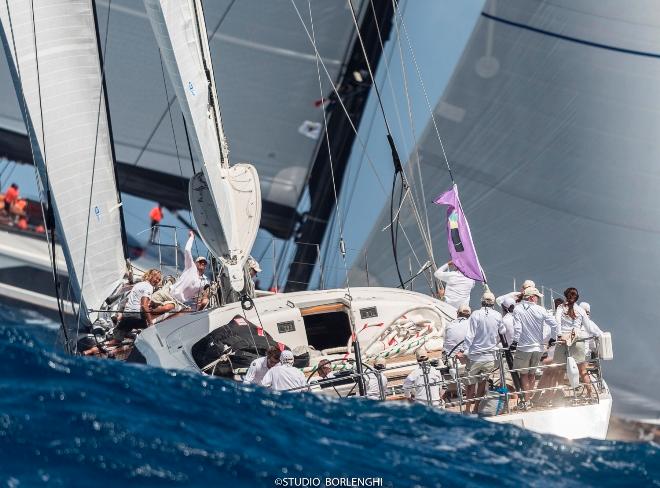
(573, 324)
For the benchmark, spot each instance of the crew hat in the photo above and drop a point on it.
(585, 306)
(531, 291)
(464, 309)
(528, 284)
(201, 258)
(488, 298)
(421, 354)
(286, 357)
(380, 362)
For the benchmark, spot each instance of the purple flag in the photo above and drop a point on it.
(459, 238)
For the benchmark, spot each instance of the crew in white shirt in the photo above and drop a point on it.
(457, 286)
(376, 380)
(481, 343)
(574, 323)
(189, 287)
(415, 387)
(529, 319)
(455, 331)
(508, 305)
(284, 376)
(516, 296)
(260, 366)
(591, 345)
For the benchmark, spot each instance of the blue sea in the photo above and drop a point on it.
(68, 421)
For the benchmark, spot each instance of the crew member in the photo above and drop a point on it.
(423, 380)
(189, 288)
(574, 323)
(516, 296)
(508, 305)
(529, 320)
(377, 381)
(591, 345)
(156, 215)
(324, 370)
(457, 286)
(260, 366)
(11, 196)
(456, 330)
(284, 376)
(480, 347)
(137, 311)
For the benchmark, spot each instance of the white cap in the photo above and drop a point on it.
(585, 306)
(531, 291)
(286, 357)
(421, 354)
(201, 258)
(253, 264)
(464, 309)
(380, 362)
(507, 302)
(488, 298)
(528, 284)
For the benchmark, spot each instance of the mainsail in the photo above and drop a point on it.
(54, 59)
(550, 122)
(181, 35)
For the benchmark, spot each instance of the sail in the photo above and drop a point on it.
(55, 65)
(550, 124)
(268, 85)
(181, 35)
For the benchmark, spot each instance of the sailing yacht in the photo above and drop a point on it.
(59, 81)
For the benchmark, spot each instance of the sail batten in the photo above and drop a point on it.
(61, 81)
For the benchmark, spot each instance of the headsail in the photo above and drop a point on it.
(181, 35)
(54, 59)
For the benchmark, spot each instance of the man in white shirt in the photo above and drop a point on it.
(260, 366)
(591, 345)
(424, 382)
(457, 286)
(284, 376)
(508, 305)
(377, 381)
(455, 331)
(529, 319)
(480, 344)
(189, 287)
(516, 296)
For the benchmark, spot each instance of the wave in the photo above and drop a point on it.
(69, 421)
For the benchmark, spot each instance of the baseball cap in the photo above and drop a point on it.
(531, 291)
(507, 302)
(488, 298)
(421, 354)
(464, 309)
(201, 258)
(528, 284)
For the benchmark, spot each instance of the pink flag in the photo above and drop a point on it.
(459, 238)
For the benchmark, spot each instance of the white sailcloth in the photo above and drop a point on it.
(181, 35)
(60, 80)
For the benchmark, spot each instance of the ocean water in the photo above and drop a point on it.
(68, 421)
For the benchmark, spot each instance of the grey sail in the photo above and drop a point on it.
(550, 124)
(59, 85)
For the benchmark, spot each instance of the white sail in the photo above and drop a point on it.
(55, 64)
(182, 38)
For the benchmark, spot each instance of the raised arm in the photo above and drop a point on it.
(514, 296)
(187, 252)
(443, 273)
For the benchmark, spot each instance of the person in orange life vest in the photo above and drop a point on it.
(11, 196)
(156, 215)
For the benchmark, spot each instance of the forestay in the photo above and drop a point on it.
(55, 63)
(182, 38)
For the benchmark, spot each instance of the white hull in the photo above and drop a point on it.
(571, 422)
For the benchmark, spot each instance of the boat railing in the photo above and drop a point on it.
(453, 383)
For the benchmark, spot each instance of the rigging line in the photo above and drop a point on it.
(50, 220)
(170, 102)
(340, 222)
(91, 186)
(426, 97)
(339, 99)
(366, 60)
(426, 237)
